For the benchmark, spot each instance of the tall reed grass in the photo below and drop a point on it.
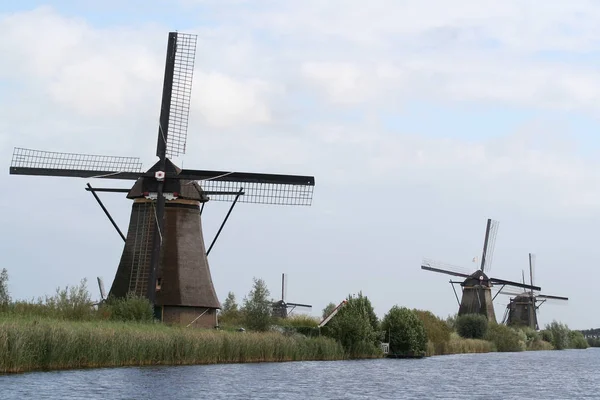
(459, 345)
(28, 344)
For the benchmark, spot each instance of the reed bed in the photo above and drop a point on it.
(46, 344)
(459, 345)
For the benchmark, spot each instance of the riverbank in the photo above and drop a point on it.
(46, 344)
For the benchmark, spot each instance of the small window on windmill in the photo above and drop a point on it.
(158, 283)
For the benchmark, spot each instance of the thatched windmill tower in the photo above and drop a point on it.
(164, 257)
(476, 287)
(522, 308)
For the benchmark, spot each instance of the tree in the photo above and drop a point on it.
(230, 312)
(472, 326)
(560, 335)
(437, 330)
(4, 295)
(257, 307)
(230, 305)
(355, 328)
(405, 331)
(328, 309)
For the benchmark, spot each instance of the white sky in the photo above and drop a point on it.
(418, 120)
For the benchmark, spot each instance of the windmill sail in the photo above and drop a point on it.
(489, 244)
(51, 163)
(177, 93)
(164, 257)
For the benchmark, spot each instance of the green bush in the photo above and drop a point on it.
(405, 332)
(437, 330)
(472, 326)
(546, 336)
(131, 308)
(560, 335)
(354, 326)
(506, 338)
(593, 342)
(577, 340)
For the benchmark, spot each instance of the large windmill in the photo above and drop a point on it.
(164, 257)
(522, 308)
(476, 287)
(280, 308)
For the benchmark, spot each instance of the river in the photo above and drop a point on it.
(568, 374)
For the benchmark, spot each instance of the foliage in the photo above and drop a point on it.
(257, 307)
(4, 294)
(506, 338)
(299, 320)
(460, 345)
(577, 340)
(28, 344)
(451, 321)
(471, 326)
(71, 303)
(353, 327)
(560, 335)
(437, 330)
(538, 345)
(328, 309)
(593, 341)
(131, 308)
(546, 336)
(534, 339)
(405, 331)
(230, 313)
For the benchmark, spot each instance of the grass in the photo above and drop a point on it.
(459, 345)
(29, 344)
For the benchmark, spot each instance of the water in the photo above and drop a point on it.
(569, 374)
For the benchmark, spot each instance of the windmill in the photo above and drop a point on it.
(476, 287)
(164, 256)
(280, 308)
(522, 309)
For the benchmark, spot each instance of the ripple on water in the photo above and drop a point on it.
(569, 374)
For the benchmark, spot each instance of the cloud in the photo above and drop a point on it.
(306, 88)
(226, 102)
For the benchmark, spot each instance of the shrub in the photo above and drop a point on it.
(560, 335)
(131, 308)
(506, 338)
(577, 341)
(299, 320)
(405, 331)
(472, 326)
(230, 314)
(540, 344)
(546, 336)
(459, 345)
(353, 327)
(437, 330)
(593, 342)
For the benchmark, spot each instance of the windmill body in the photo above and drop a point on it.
(476, 287)
(282, 308)
(477, 296)
(164, 257)
(523, 307)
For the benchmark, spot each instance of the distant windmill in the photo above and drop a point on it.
(522, 309)
(476, 288)
(164, 258)
(280, 308)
